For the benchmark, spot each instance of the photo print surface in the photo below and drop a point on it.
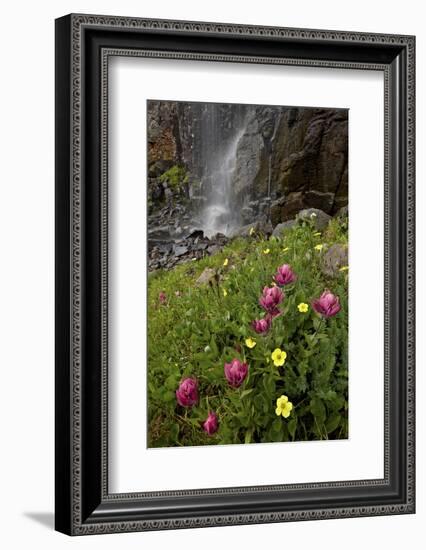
(248, 273)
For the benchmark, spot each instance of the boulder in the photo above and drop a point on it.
(207, 277)
(319, 217)
(333, 259)
(342, 212)
(180, 250)
(282, 228)
(259, 227)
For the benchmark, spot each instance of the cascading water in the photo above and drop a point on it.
(220, 146)
(220, 215)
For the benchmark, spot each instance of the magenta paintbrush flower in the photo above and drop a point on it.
(262, 326)
(162, 298)
(236, 372)
(187, 393)
(285, 275)
(327, 305)
(211, 425)
(270, 299)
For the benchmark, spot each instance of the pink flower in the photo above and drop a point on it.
(262, 326)
(162, 297)
(285, 275)
(327, 304)
(187, 393)
(236, 372)
(211, 424)
(270, 299)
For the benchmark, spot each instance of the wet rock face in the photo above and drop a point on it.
(287, 159)
(307, 153)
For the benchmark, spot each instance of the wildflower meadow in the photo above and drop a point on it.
(258, 351)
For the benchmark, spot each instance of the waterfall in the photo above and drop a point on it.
(220, 138)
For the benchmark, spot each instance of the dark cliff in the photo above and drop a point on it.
(286, 158)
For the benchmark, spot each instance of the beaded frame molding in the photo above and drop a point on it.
(84, 44)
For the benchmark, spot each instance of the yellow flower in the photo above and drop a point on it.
(251, 269)
(266, 251)
(225, 293)
(278, 357)
(319, 247)
(344, 268)
(302, 307)
(284, 407)
(251, 231)
(317, 234)
(286, 249)
(226, 262)
(250, 343)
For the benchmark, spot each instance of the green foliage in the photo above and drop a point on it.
(199, 328)
(176, 177)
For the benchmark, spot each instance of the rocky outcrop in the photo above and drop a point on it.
(301, 163)
(334, 259)
(295, 157)
(167, 253)
(319, 218)
(281, 228)
(287, 159)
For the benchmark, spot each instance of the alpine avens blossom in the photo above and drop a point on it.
(236, 372)
(327, 305)
(284, 407)
(187, 393)
(302, 307)
(250, 343)
(278, 357)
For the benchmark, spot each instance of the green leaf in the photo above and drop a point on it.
(171, 382)
(332, 422)
(276, 425)
(174, 432)
(169, 396)
(318, 410)
(269, 384)
(292, 425)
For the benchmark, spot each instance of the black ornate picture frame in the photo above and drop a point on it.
(84, 505)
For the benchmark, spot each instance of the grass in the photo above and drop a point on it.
(200, 327)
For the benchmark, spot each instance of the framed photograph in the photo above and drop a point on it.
(234, 274)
